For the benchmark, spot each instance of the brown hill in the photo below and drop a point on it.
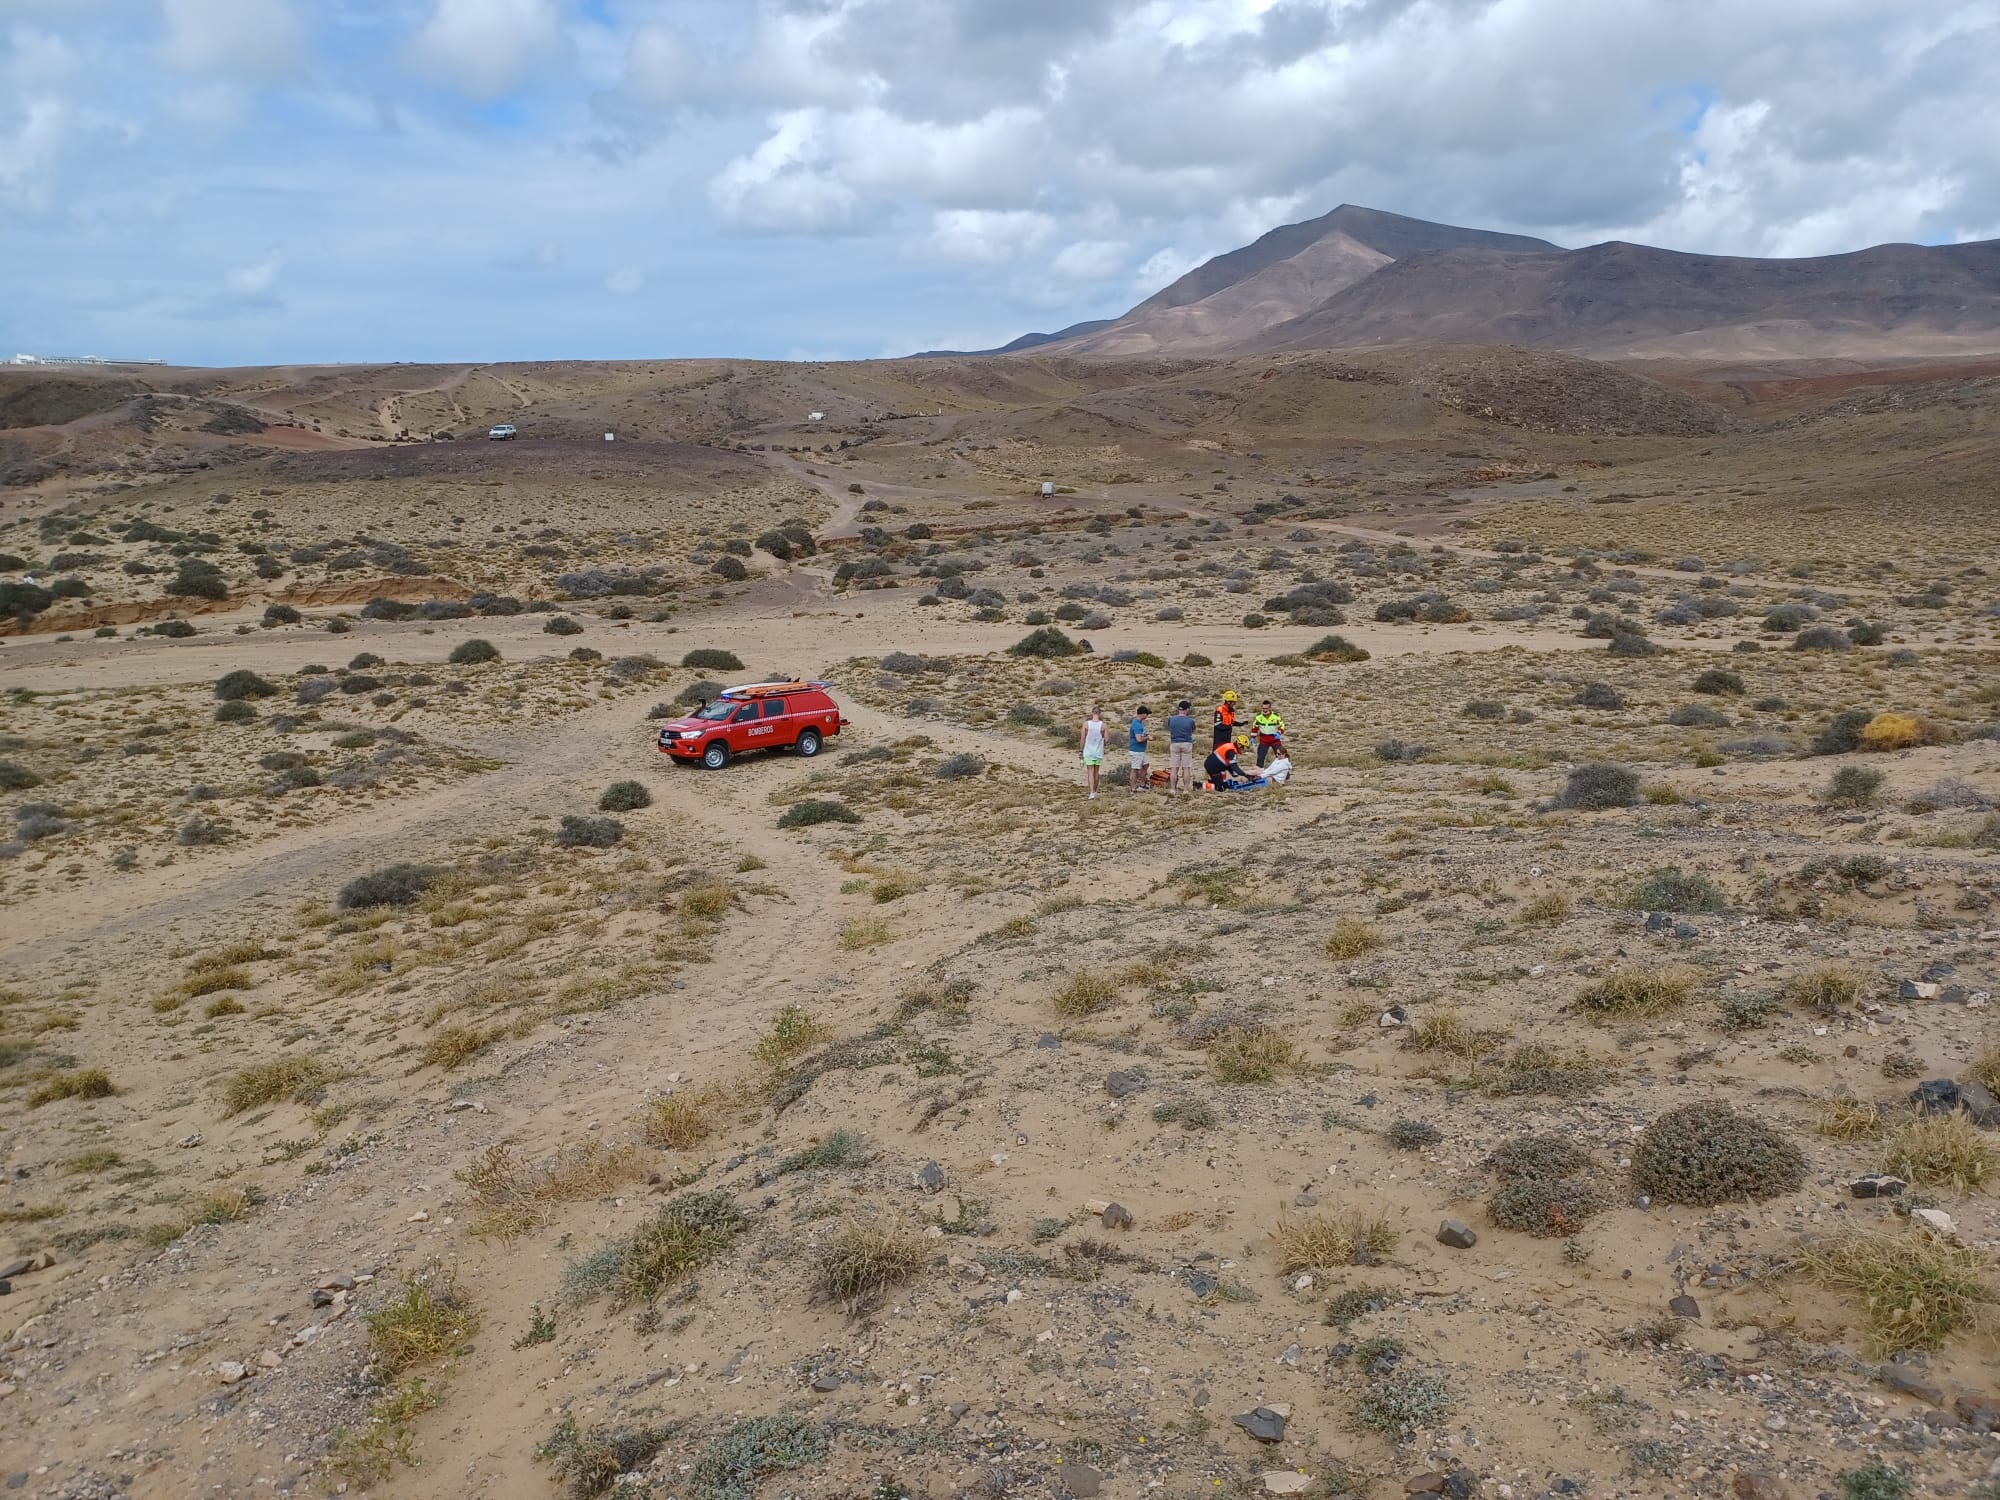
(1620, 300)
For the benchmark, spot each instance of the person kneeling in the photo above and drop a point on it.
(1225, 770)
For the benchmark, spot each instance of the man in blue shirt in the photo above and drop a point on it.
(1180, 750)
(1139, 779)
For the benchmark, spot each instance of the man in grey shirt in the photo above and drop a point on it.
(1180, 749)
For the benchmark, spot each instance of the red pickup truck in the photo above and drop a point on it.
(756, 716)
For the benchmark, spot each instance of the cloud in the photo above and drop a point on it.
(784, 183)
(625, 281)
(256, 280)
(484, 47)
(1089, 260)
(28, 152)
(254, 39)
(983, 237)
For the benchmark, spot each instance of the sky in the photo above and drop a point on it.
(228, 182)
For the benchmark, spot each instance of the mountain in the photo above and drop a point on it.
(1228, 301)
(1620, 300)
(1359, 276)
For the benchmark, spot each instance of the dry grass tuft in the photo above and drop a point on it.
(75, 1083)
(1636, 992)
(1986, 1067)
(1084, 993)
(1548, 909)
(519, 1195)
(1257, 1056)
(1449, 1032)
(431, 1319)
(1945, 1151)
(864, 1258)
(795, 1030)
(1915, 1292)
(864, 932)
(453, 1047)
(1322, 1241)
(1351, 937)
(1842, 1117)
(680, 1122)
(1825, 989)
(708, 899)
(261, 1083)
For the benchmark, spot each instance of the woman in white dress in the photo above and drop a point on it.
(1093, 749)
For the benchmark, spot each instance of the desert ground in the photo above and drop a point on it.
(1577, 1081)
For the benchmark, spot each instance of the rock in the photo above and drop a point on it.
(1659, 921)
(15, 1268)
(1877, 1185)
(1304, 1200)
(189, 1142)
(1459, 1236)
(1290, 1358)
(1286, 1482)
(929, 1177)
(1916, 989)
(6, 1288)
(320, 1298)
(270, 1359)
(1431, 1483)
(1936, 1220)
(1685, 1306)
(1977, 1100)
(827, 1384)
(1048, 1041)
(1935, 1096)
(1687, 932)
(1303, 1282)
(1200, 1283)
(1906, 1381)
(1079, 1479)
(1124, 1084)
(1116, 1216)
(421, 1216)
(1264, 1423)
(1393, 1017)
(965, 1270)
(1641, 1200)
(230, 1371)
(1756, 1484)
(1980, 1413)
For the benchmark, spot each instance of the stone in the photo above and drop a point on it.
(966, 1270)
(421, 1216)
(1304, 1200)
(1264, 1423)
(1286, 1482)
(1916, 989)
(320, 1298)
(1457, 1235)
(1124, 1084)
(1908, 1382)
(270, 1359)
(929, 1177)
(1659, 921)
(1290, 1357)
(1079, 1479)
(1685, 1306)
(15, 1268)
(1431, 1483)
(6, 1288)
(827, 1384)
(1980, 1413)
(1936, 1220)
(230, 1371)
(1977, 1100)
(1935, 1096)
(1687, 932)
(1877, 1185)
(1116, 1216)
(1200, 1283)
(1048, 1041)
(1393, 1017)
(1756, 1484)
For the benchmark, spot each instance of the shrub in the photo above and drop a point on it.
(1400, 1402)
(1892, 731)
(687, 1233)
(198, 831)
(712, 659)
(1351, 937)
(264, 1083)
(1945, 1151)
(730, 569)
(15, 777)
(72, 1083)
(1822, 638)
(624, 796)
(242, 683)
(1085, 992)
(1787, 618)
(1843, 733)
(1867, 632)
(1598, 695)
(1047, 642)
(1673, 889)
(680, 1122)
(1853, 786)
(198, 580)
(956, 767)
(280, 614)
(1190, 1114)
(561, 625)
(235, 712)
(1635, 992)
(1485, 709)
(589, 833)
(472, 652)
(1321, 1241)
(1400, 751)
(1632, 643)
(1599, 785)
(1915, 1292)
(1697, 716)
(1545, 1206)
(1825, 989)
(863, 1259)
(393, 885)
(1413, 1135)
(816, 810)
(1258, 1055)
(174, 630)
(1707, 1153)
(1718, 682)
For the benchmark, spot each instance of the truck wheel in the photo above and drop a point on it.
(808, 742)
(716, 756)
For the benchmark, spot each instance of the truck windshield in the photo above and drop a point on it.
(716, 712)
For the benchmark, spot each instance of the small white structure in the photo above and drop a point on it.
(815, 416)
(610, 437)
(1048, 487)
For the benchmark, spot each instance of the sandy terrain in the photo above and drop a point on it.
(900, 1122)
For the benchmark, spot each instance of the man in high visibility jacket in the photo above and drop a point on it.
(1225, 769)
(1270, 726)
(1225, 718)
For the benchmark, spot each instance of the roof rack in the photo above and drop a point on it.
(768, 689)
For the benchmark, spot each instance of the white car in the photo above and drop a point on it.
(501, 433)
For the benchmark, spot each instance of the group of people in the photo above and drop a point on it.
(1225, 768)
